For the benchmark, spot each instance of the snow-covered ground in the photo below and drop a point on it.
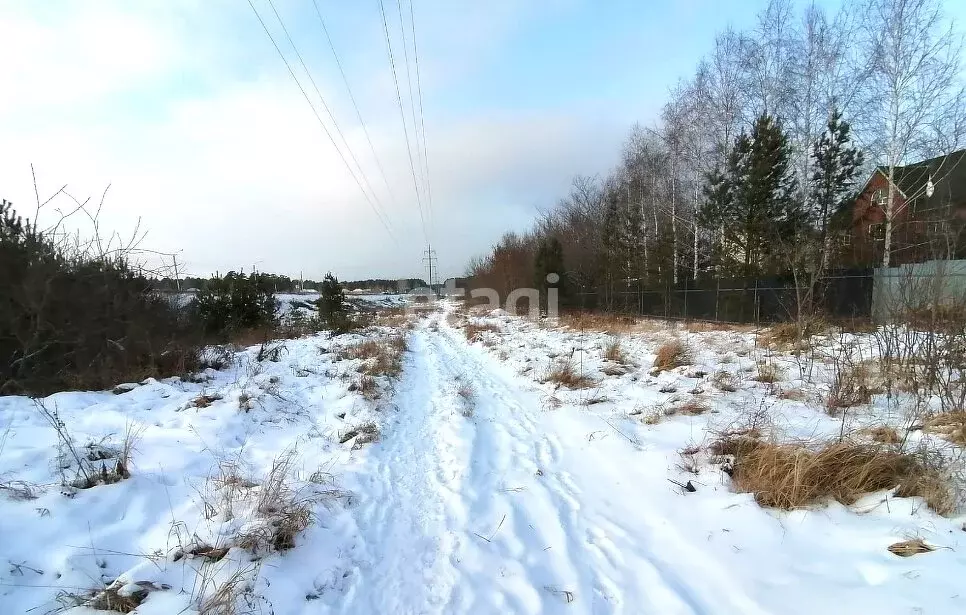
(488, 490)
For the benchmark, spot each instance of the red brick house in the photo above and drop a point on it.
(929, 214)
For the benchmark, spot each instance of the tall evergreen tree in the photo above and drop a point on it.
(836, 167)
(333, 307)
(752, 203)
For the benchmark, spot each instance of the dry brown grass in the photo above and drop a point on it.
(883, 434)
(769, 373)
(614, 352)
(725, 381)
(692, 407)
(363, 433)
(789, 476)
(706, 326)
(281, 510)
(474, 331)
(565, 374)
(908, 548)
(382, 357)
(671, 354)
(949, 425)
(614, 324)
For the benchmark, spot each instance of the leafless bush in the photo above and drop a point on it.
(77, 314)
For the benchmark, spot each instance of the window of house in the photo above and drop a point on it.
(936, 227)
(880, 197)
(877, 230)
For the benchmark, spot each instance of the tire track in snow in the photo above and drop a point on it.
(613, 561)
(403, 523)
(495, 514)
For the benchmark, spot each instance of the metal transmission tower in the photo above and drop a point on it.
(432, 263)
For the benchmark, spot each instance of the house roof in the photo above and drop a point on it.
(947, 174)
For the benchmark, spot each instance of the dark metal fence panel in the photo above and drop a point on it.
(843, 294)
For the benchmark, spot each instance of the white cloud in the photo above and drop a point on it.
(225, 161)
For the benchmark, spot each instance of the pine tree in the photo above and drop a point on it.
(837, 164)
(752, 201)
(333, 307)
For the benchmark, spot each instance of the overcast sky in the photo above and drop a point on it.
(186, 110)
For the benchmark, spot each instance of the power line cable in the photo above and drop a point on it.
(409, 88)
(422, 117)
(315, 112)
(335, 123)
(352, 98)
(402, 116)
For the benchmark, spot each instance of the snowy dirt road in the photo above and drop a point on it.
(482, 486)
(486, 503)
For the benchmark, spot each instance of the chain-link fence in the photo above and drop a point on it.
(841, 294)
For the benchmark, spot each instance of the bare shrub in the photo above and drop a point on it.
(791, 476)
(565, 374)
(674, 353)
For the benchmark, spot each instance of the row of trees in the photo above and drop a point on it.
(759, 151)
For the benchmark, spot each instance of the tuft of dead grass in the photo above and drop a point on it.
(674, 353)
(380, 357)
(565, 374)
(203, 401)
(282, 512)
(725, 381)
(949, 425)
(474, 331)
(614, 352)
(883, 434)
(908, 548)
(769, 373)
(364, 433)
(793, 475)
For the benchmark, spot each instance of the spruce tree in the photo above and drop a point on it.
(752, 201)
(333, 307)
(837, 165)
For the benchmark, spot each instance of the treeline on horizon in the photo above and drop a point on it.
(756, 158)
(283, 284)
